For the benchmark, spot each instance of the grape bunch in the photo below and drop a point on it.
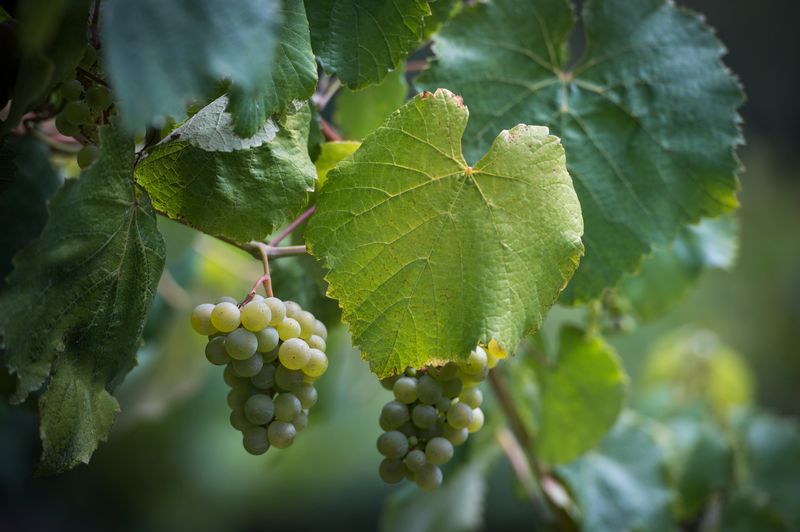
(434, 410)
(273, 352)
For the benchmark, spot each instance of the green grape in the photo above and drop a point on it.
(459, 415)
(438, 451)
(477, 420)
(412, 439)
(257, 297)
(410, 372)
(394, 415)
(451, 388)
(449, 371)
(227, 299)
(431, 432)
(443, 405)
(87, 156)
(225, 317)
(317, 363)
(89, 57)
(292, 309)
(98, 98)
(388, 382)
(307, 323)
(76, 112)
(301, 421)
(281, 434)
(265, 378)
(238, 396)
(65, 127)
(391, 471)
(267, 340)
(409, 430)
(316, 342)
(271, 356)
(405, 390)
(288, 379)
(255, 316)
(415, 459)
(238, 419)
(201, 319)
(393, 444)
(255, 440)
(471, 396)
(307, 395)
(456, 436)
(428, 390)
(215, 351)
(231, 378)
(277, 310)
(294, 353)
(249, 367)
(429, 477)
(259, 409)
(288, 328)
(424, 416)
(476, 363)
(240, 344)
(320, 330)
(71, 90)
(287, 406)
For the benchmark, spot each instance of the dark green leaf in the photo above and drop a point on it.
(647, 115)
(745, 511)
(359, 113)
(361, 40)
(293, 76)
(210, 178)
(75, 304)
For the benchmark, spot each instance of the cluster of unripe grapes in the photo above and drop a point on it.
(83, 100)
(434, 410)
(273, 352)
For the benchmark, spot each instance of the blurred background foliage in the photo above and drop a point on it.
(731, 341)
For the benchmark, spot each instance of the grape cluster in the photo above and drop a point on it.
(273, 352)
(434, 410)
(84, 100)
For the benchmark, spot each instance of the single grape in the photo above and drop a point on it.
(227, 299)
(239, 420)
(87, 156)
(65, 127)
(277, 310)
(307, 395)
(257, 297)
(238, 396)
(281, 434)
(301, 421)
(265, 378)
(215, 351)
(240, 344)
(410, 431)
(267, 340)
(405, 390)
(443, 405)
(391, 471)
(412, 439)
(456, 436)
(429, 477)
(292, 309)
(249, 367)
(415, 459)
(459, 415)
(388, 382)
(476, 362)
(317, 363)
(288, 328)
(98, 98)
(287, 406)
(451, 388)
(225, 316)
(424, 416)
(76, 112)
(259, 409)
(71, 90)
(255, 440)
(320, 330)
(316, 342)
(294, 353)
(439, 451)
(307, 323)
(231, 378)
(431, 432)
(394, 415)
(477, 420)
(255, 316)
(393, 444)
(449, 371)
(471, 396)
(89, 57)
(288, 379)
(201, 319)
(428, 390)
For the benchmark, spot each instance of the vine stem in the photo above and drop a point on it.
(328, 130)
(293, 225)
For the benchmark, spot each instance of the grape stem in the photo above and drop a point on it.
(327, 129)
(292, 226)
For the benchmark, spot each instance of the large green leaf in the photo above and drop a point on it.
(75, 304)
(647, 115)
(361, 40)
(623, 485)
(210, 178)
(293, 77)
(329, 156)
(581, 397)
(429, 256)
(359, 113)
(161, 54)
